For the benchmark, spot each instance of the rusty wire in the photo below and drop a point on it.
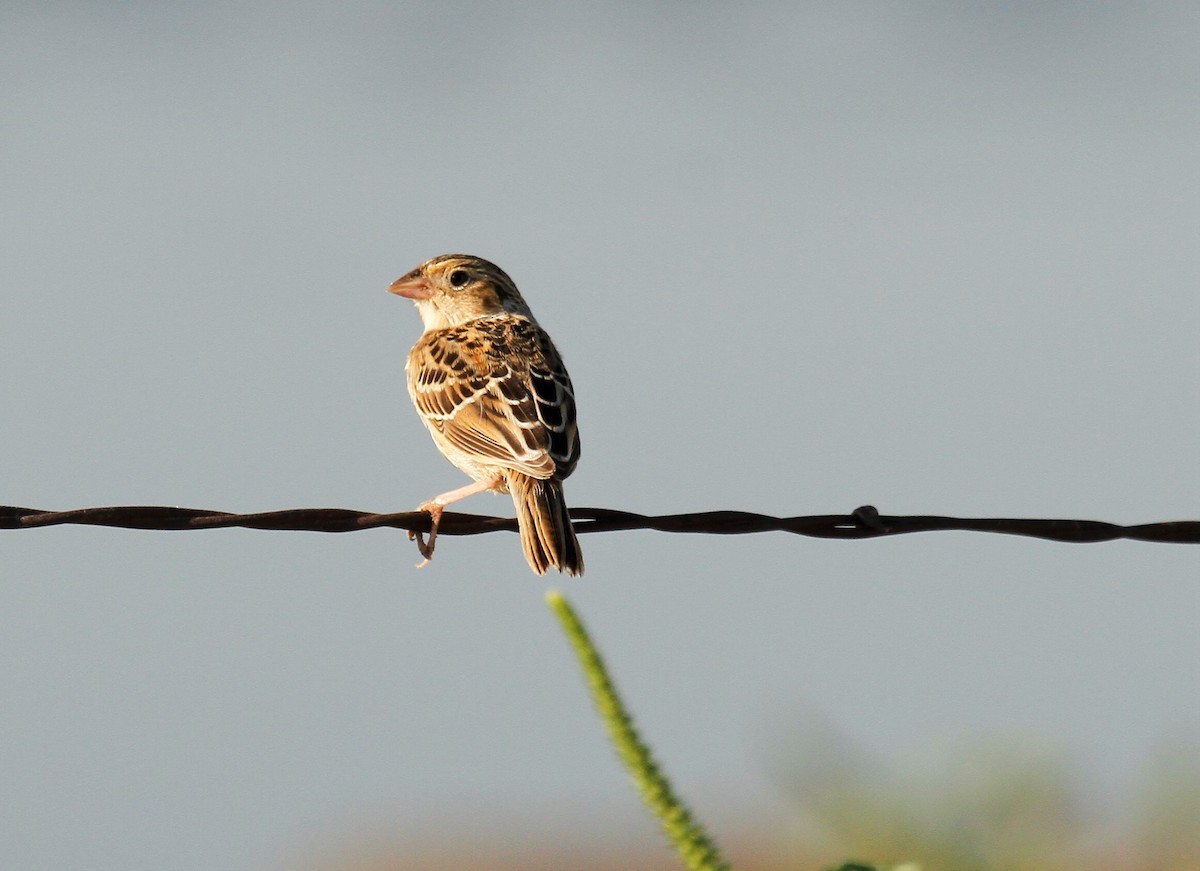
(864, 522)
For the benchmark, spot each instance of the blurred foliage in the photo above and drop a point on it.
(1005, 805)
(1168, 818)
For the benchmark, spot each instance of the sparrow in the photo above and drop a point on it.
(493, 392)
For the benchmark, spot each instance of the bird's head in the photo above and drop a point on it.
(454, 288)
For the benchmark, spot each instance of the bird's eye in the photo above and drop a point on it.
(458, 277)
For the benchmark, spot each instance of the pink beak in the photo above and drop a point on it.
(413, 286)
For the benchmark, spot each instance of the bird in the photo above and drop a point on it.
(491, 388)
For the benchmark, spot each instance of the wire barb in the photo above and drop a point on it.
(863, 522)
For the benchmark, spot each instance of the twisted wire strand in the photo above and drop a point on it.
(863, 522)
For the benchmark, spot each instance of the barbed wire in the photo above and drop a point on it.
(862, 522)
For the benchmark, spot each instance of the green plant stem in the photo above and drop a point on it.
(696, 849)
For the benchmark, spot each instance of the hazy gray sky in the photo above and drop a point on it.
(940, 258)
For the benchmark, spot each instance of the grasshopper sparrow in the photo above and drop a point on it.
(493, 392)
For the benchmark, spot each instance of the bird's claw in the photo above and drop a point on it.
(426, 549)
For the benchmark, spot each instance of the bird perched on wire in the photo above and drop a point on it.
(491, 388)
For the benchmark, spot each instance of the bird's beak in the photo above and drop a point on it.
(413, 286)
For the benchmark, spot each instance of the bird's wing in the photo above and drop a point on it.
(489, 388)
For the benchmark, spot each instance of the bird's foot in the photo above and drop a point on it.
(435, 510)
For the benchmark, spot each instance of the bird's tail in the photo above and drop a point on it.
(547, 536)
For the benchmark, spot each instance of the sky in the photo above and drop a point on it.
(939, 258)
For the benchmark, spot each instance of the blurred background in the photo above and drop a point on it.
(940, 258)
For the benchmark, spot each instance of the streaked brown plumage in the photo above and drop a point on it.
(491, 388)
